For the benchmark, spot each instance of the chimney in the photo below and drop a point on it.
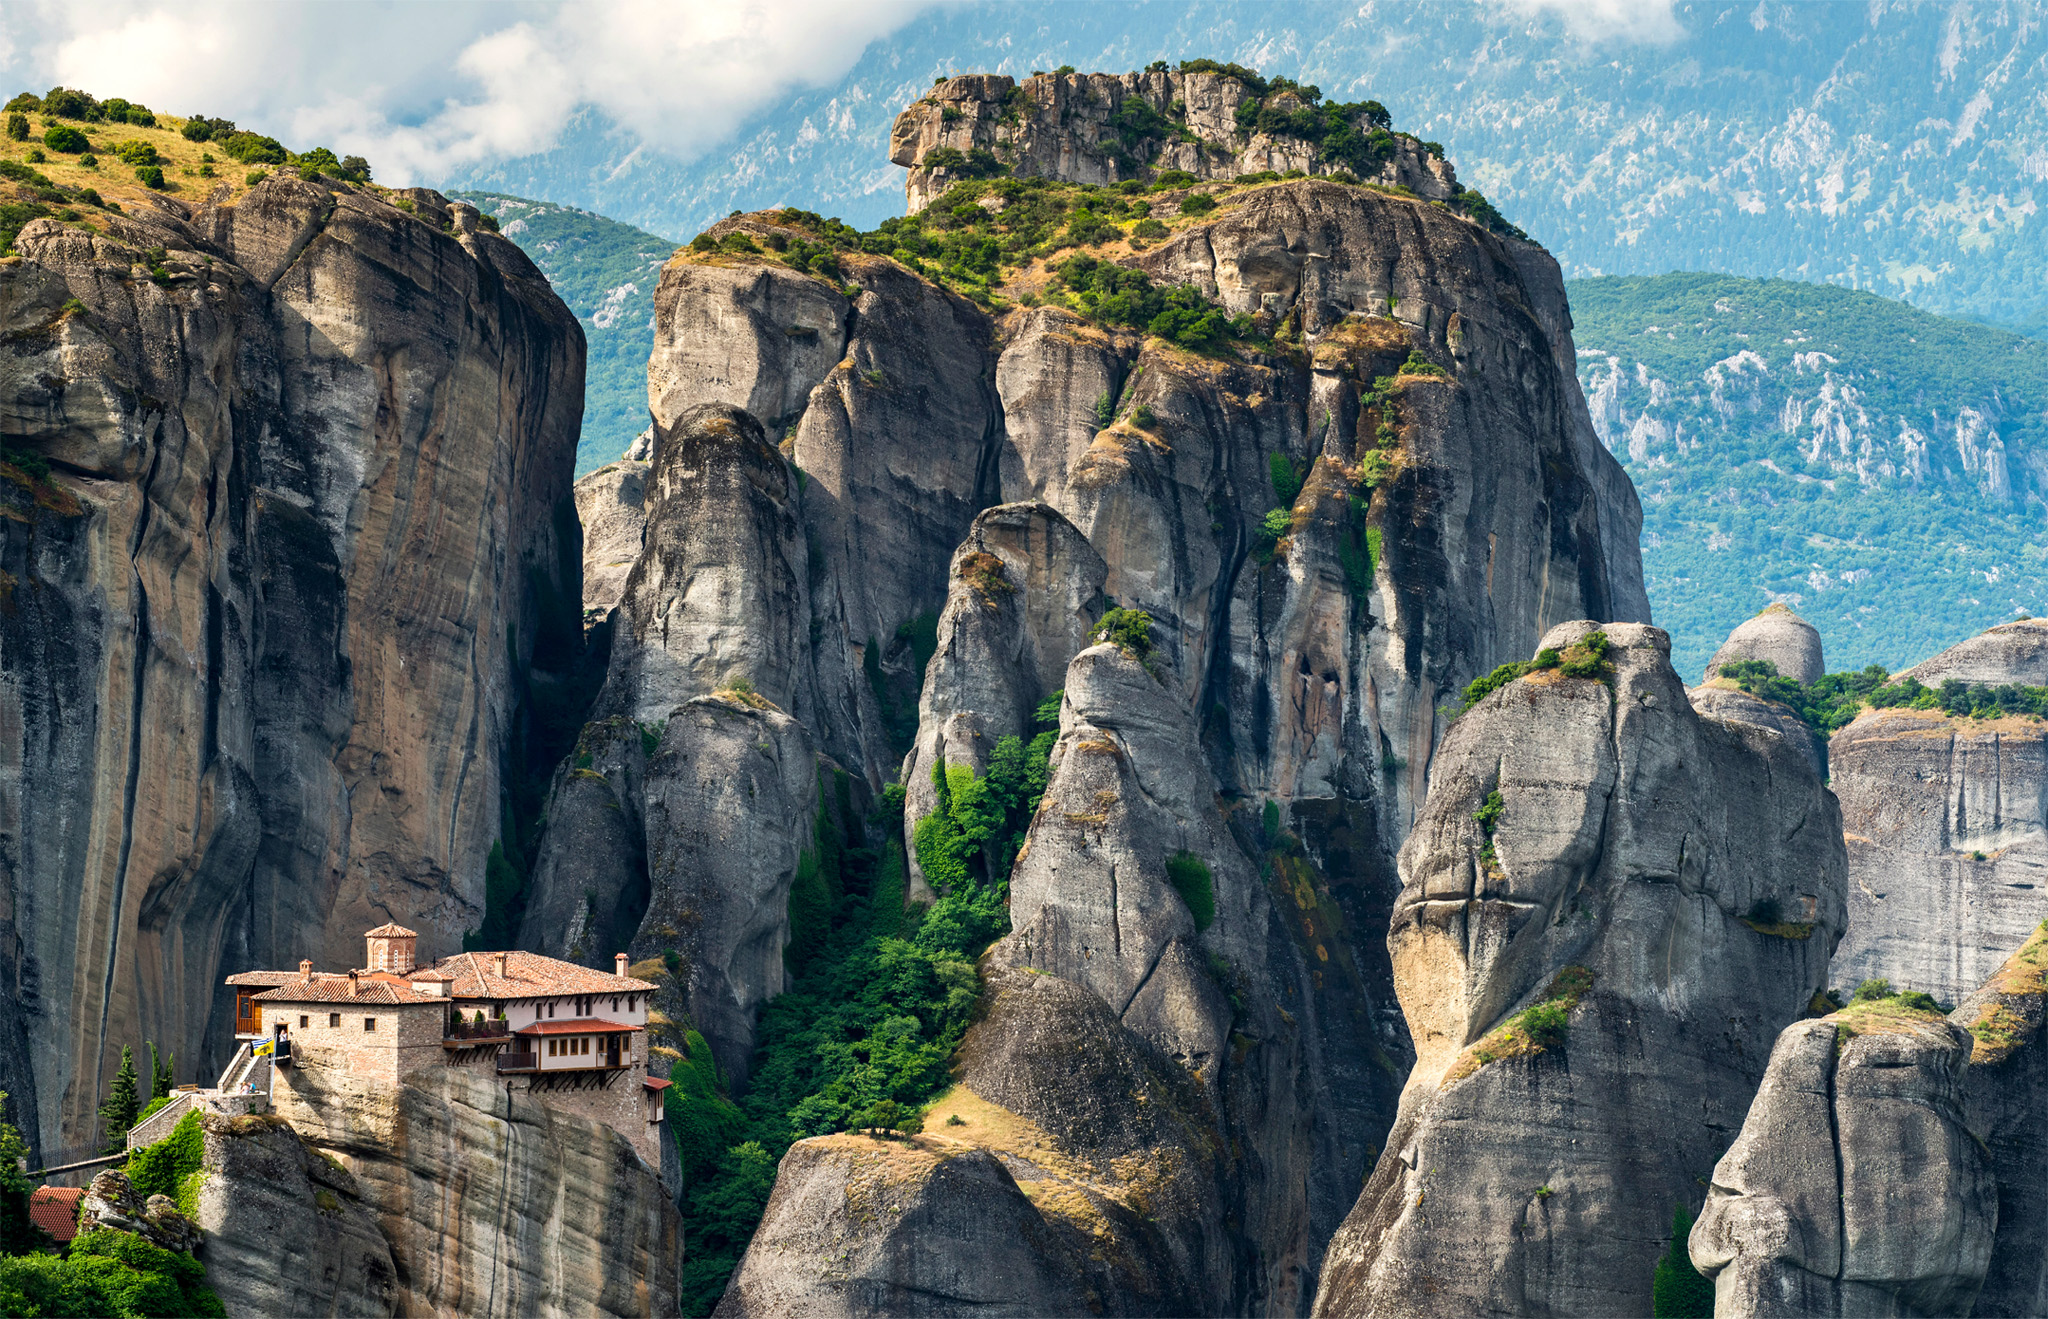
(305, 971)
(353, 985)
(498, 965)
(620, 958)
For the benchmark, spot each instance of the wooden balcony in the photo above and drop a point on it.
(518, 1062)
(469, 1034)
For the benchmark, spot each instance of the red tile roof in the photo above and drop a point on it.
(55, 1210)
(262, 977)
(390, 930)
(334, 989)
(529, 975)
(654, 1083)
(586, 1026)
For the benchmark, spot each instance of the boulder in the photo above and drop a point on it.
(1722, 699)
(1778, 636)
(112, 1201)
(1611, 907)
(1855, 1187)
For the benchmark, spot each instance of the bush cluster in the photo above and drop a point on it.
(1831, 701)
(64, 138)
(1129, 630)
(1118, 295)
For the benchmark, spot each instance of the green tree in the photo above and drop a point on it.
(161, 1070)
(1678, 1290)
(1190, 878)
(62, 137)
(118, 1113)
(17, 126)
(18, 1233)
(159, 1169)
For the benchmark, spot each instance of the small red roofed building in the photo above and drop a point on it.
(573, 1038)
(55, 1210)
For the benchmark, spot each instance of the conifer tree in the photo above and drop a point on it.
(118, 1113)
(1678, 1290)
(161, 1073)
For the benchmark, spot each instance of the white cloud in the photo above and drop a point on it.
(421, 89)
(1607, 20)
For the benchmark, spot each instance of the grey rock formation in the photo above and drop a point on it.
(112, 1202)
(957, 1235)
(1855, 1188)
(611, 503)
(287, 1231)
(1719, 698)
(271, 619)
(1778, 636)
(1026, 589)
(1947, 823)
(750, 335)
(1661, 890)
(1059, 125)
(2011, 652)
(496, 1204)
(972, 490)
(2007, 1082)
(730, 797)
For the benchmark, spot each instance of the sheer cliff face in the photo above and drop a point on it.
(963, 496)
(1947, 822)
(1611, 906)
(266, 626)
(1075, 126)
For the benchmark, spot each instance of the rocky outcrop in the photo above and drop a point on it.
(2011, 652)
(1026, 590)
(1719, 698)
(1855, 1187)
(269, 622)
(1947, 825)
(113, 1202)
(1776, 636)
(265, 1199)
(1105, 127)
(1611, 906)
(2007, 1081)
(611, 503)
(970, 491)
(497, 1204)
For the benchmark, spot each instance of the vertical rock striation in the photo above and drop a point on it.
(1590, 989)
(1855, 1188)
(1947, 824)
(2004, 1091)
(268, 624)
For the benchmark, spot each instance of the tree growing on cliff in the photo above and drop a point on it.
(123, 1103)
(1678, 1290)
(161, 1073)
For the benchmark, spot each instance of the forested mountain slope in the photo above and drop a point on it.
(1892, 147)
(606, 272)
(1881, 469)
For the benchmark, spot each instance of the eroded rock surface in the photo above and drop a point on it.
(1855, 1187)
(1060, 125)
(496, 1204)
(271, 620)
(2004, 1091)
(611, 503)
(287, 1231)
(1590, 988)
(1947, 824)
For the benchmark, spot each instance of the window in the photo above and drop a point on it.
(551, 1048)
(551, 1009)
(632, 1002)
(615, 1002)
(334, 1019)
(369, 1023)
(303, 1020)
(586, 1045)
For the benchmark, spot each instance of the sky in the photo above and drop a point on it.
(425, 89)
